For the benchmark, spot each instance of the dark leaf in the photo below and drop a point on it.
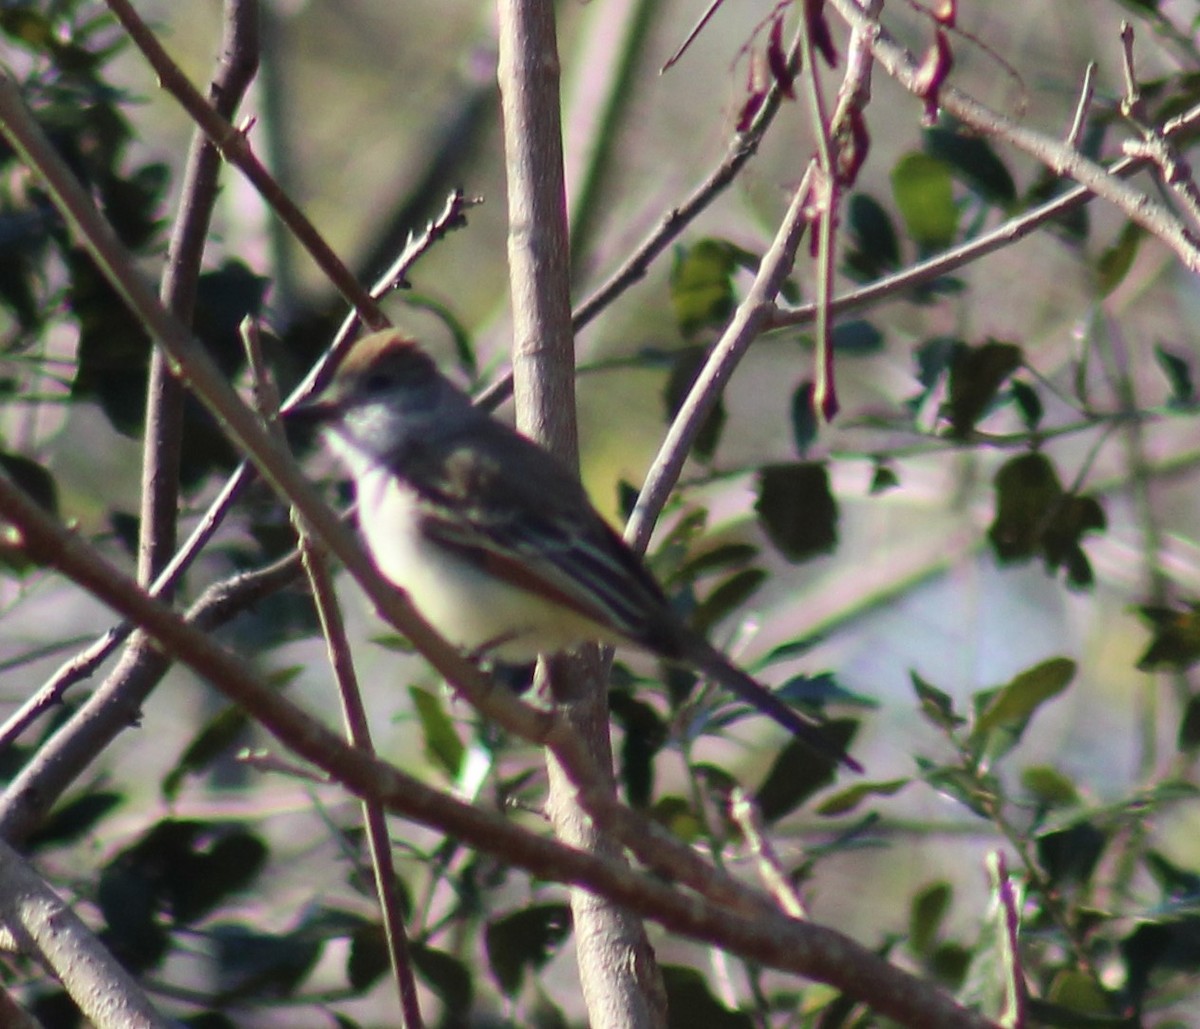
(644, 735)
(874, 249)
(936, 706)
(687, 365)
(974, 162)
(214, 740)
(728, 596)
(524, 941)
(884, 478)
(1179, 375)
(1114, 263)
(926, 914)
(33, 480)
(805, 424)
(447, 976)
(1029, 403)
(798, 772)
(368, 959)
(857, 336)
(1175, 645)
(797, 509)
(442, 744)
(1071, 855)
(1189, 726)
(976, 374)
(254, 963)
(691, 1004)
(73, 819)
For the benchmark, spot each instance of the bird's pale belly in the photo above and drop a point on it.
(470, 608)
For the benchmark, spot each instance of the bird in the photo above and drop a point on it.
(493, 539)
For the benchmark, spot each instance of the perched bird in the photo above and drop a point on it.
(492, 538)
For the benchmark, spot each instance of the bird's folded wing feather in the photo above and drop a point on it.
(540, 533)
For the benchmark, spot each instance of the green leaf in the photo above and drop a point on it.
(1179, 375)
(32, 479)
(1014, 705)
(213, 741)
(702, 285)
(442, 745)
(524, 940)
(977, 794)
(883, 478)
(936, 706)
(797, 509)
(1175, 645)
(728, 596)
(924, 192)
(976, 374)
(1114, 263)
(926, 914)
(1049, 787)
(845, 801)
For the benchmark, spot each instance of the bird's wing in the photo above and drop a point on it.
(537, 530)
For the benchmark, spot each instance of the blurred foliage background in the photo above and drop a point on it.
(1007, 498)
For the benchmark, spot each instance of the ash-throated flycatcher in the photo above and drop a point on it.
(494, 541)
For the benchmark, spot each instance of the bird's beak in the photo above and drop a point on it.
(314, 411)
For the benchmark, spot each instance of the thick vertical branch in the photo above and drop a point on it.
(620, 979)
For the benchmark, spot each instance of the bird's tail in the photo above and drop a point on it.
(711, 662)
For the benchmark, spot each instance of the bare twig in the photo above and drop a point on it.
(1086, 93)
(1172, 168)
(354, 713)
(745, 813)
(235, 148)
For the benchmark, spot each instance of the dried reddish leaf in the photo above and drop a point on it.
(777, 60)
(818, 30)
(931, 76)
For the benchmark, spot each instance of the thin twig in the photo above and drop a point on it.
(1003, 235)
(235, 148)
(1058, 157)
(354, 712)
